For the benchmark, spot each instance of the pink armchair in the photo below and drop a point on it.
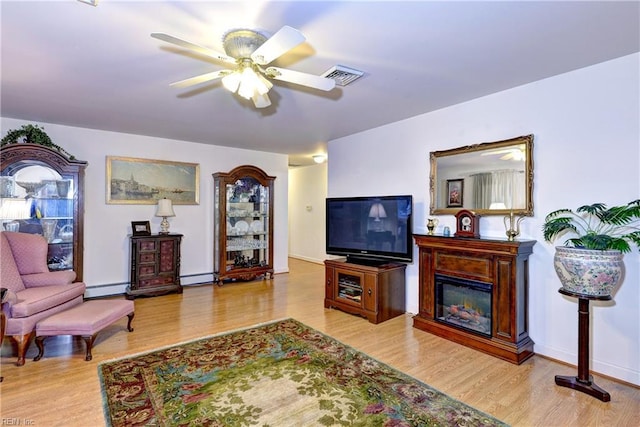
(34, 291)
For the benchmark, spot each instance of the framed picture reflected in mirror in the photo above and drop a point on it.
(455, 188)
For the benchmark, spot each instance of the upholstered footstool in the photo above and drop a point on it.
(85, 320)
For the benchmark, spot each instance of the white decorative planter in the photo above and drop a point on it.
(588, 272)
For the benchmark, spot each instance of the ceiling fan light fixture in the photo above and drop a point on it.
(242, 43)
(231, 82)
(259, 85)
(264, 81)
(245, 90)
(261, 101)
(249, 84)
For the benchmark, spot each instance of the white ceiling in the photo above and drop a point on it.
(70, 63)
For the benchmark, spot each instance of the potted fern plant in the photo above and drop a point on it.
(591, 262)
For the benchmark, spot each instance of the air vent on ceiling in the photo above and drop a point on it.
(343, 75)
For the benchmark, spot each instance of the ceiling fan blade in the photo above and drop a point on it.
(201, 78)
(284, 40)
(304, 79)
(260, 101)
(196, 48)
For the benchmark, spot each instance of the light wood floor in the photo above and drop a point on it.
(63, 390)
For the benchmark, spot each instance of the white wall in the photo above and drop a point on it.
(106, 254)
(307, 194)
(586, 127)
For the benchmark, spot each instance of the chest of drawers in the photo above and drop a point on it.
(155, 265)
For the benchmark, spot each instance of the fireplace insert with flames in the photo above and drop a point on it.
(463, 303)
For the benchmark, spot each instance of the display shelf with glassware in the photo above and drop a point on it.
(243, 224)
(41, 192)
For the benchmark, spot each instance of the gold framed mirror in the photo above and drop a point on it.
(491, 178)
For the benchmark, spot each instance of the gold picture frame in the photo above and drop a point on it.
(144, 181)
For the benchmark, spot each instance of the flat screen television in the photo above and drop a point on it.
(370, 230)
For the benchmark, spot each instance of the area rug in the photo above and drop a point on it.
(282, 373)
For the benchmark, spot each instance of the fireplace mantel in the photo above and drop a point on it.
(503, 264)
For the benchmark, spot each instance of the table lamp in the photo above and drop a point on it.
(165, 209)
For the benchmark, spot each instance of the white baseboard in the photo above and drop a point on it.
(305, 258)
(111, 289)
(597, 366)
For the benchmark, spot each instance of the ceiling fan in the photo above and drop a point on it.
(513, 153)
(250, 51)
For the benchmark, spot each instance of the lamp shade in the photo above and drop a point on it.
(15, 209)
(377, 211)
(165, 208)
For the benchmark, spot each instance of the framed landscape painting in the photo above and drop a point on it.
(144, 181)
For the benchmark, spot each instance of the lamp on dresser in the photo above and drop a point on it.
(165, 209)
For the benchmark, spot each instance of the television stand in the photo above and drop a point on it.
(374, 292)
(351, 259)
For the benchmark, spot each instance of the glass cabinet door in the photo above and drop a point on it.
(247, 224)
(40, 193)
(243, 224)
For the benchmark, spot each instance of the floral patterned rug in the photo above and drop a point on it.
(277, 374)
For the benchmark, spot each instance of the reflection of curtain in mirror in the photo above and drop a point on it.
(508, 188)
(482, 190)
(520, 193)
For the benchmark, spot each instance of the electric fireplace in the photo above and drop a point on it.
(463, 303)
(474, 292)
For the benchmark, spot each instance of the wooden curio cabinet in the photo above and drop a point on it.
(42, 192)
(242, 224)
